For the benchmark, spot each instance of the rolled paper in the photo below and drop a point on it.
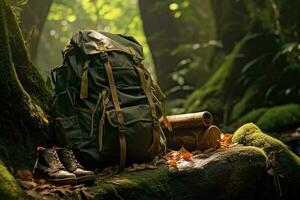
(193, 138)
(189, 120)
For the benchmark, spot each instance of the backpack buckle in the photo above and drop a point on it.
(122, 128)
(103, 56)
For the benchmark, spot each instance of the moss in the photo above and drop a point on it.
(9, 188)
(28, 75)
(288, 163)
(140, 185)
(280, 118)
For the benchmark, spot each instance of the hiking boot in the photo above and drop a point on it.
(49, 167)
(70, 162)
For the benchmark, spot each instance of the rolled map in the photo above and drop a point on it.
(204, 119)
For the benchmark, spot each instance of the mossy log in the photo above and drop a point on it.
(230, 174)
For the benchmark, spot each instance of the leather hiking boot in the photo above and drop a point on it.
(70, 162)
(49, 167)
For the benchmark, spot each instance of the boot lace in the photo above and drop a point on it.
(55, 160)
(72, 157)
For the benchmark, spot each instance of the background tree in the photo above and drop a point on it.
(23, 96)
(33, 16)
(181, 41)
(258, 80)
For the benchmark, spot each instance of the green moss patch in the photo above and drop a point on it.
(288, 163)
(9, 188)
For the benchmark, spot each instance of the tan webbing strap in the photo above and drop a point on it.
(155, 134)
(84, 91)
(119, 113)
(147, 92)
(162, 104)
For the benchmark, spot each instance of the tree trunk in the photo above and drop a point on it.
(22, 121)
(163, 36)
(232, 21)
(33, 17)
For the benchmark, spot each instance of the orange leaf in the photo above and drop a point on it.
(185, 154)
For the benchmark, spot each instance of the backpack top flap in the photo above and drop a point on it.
(88, 41)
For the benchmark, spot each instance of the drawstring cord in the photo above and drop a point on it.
(105, 101)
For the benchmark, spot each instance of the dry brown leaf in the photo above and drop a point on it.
(40, 188)
(45, 193)
(40, 181)
(27, 184)
(25, 174)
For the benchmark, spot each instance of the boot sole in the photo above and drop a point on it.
(86, 179)
(63, 181)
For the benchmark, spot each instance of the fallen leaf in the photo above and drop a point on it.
(25, 174)
(172, 163)
(27, 184)
(226, 140)
(40, 181)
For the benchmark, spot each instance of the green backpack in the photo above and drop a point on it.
(106, 102)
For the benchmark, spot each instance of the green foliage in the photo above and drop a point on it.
(212, 96)
(288, 164)
(195, 50)
(65, 17)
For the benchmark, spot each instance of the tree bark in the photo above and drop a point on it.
(33, 17)
(232, 21)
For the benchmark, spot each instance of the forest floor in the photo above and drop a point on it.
(246, 155)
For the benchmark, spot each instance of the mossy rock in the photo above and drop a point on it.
(235, 173)
(288, 163)
(272, 120)
(280, 118)
(9, 188)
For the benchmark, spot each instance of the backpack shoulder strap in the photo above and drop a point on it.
(116, 103)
